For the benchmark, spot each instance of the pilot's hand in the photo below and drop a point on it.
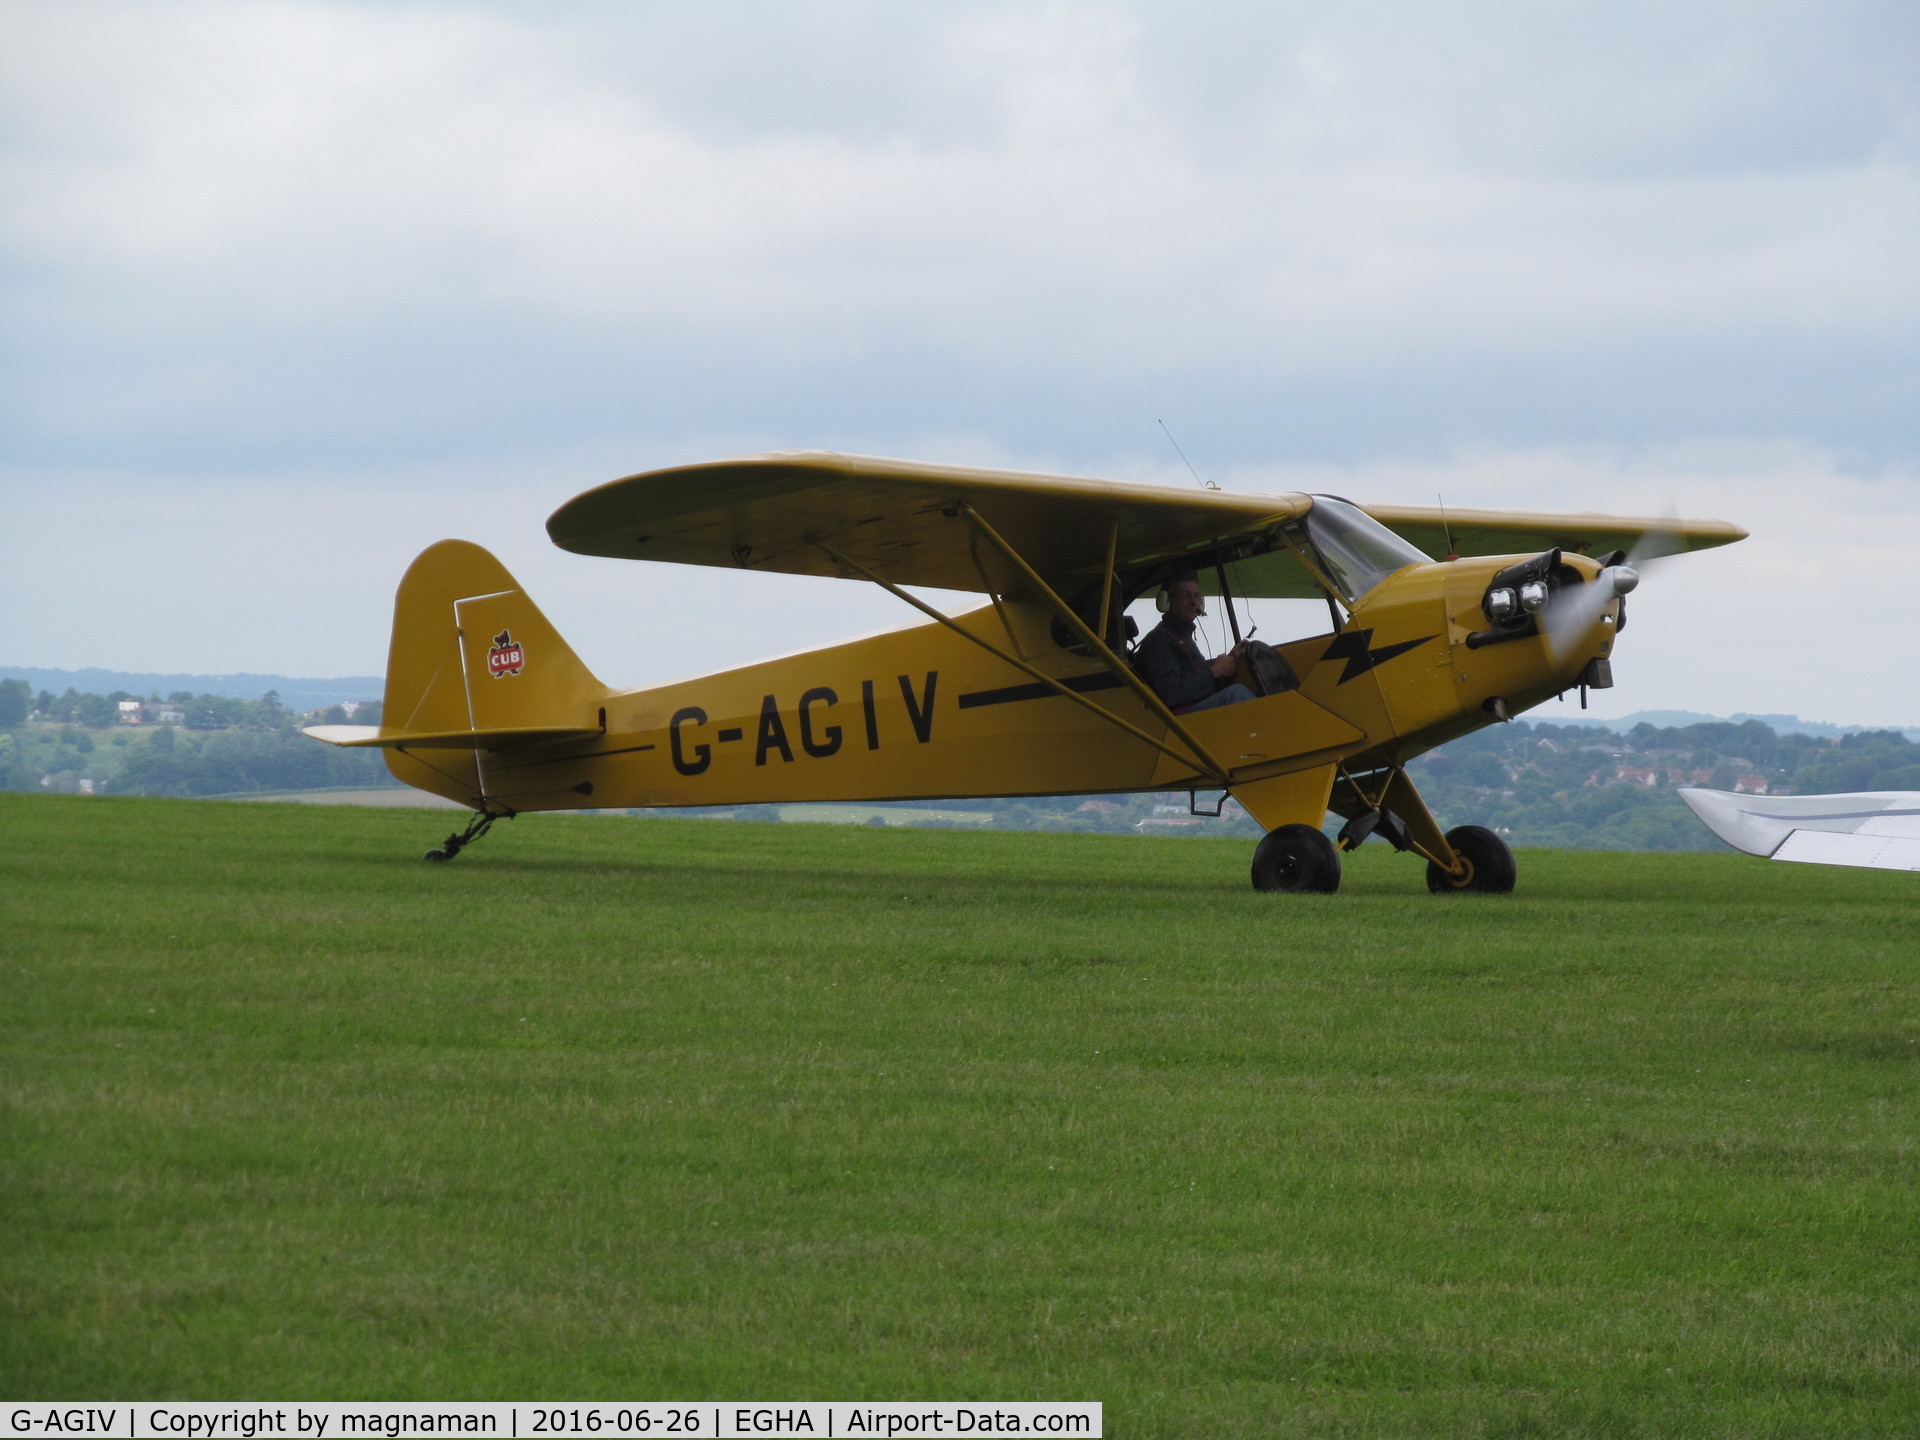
(1223, 666)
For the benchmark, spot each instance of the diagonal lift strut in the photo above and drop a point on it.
(1195, 755)
(1121, 670)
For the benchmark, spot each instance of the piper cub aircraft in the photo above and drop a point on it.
(1036, 691)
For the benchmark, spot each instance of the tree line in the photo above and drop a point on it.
(1538, 782)
(221, 746)
(1579, 786)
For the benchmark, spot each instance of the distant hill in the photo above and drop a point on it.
(1673, 719)
(295, 694)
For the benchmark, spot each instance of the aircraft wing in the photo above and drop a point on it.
(1514, 532)
(897, 519)
(762, 512)
(1876, 829)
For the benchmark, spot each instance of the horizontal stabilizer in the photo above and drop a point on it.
(359, 736)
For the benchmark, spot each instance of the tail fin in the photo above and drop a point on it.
(473, 665)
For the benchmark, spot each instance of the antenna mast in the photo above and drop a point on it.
(1204, 484)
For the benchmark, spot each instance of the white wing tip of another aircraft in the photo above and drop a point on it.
(1875, 829)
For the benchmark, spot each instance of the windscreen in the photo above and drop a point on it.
(1358, 551)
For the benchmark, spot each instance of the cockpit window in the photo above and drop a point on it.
(1357, 550)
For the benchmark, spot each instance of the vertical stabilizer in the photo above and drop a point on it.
(473, 667)
(471, 651)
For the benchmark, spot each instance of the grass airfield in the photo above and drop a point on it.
(681, 1109)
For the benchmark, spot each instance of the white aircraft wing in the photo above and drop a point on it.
(1877, 829)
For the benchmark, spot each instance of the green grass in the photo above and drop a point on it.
(671, 1109)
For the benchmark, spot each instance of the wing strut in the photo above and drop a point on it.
(1106, 588)
(1121, 670)
(1205, 762)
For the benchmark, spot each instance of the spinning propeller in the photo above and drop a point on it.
(1569, 616)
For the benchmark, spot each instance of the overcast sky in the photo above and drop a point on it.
(292, 290)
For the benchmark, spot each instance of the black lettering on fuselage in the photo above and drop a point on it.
(921, 714)
(873, 718)
(830, 736)
(773, 733)
(702, 754)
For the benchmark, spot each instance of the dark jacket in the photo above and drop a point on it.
(1172, 664)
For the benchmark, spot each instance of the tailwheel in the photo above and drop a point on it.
(1489, 863)
(455, 843)
(1298, 859)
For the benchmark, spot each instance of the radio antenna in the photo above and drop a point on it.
(1204, 484)
(1446, 529)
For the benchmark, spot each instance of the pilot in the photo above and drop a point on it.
(1172, 664)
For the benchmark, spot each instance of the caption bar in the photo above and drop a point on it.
(707, 1419)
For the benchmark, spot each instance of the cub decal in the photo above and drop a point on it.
(506, 657)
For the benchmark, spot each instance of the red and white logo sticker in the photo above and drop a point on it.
(506, 657)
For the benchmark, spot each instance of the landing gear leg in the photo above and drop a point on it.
(476, 827)
(1384, 803)
(1294, 857)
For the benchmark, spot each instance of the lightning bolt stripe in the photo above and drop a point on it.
(1352, 647)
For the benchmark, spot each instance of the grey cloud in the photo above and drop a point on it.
(314, 228)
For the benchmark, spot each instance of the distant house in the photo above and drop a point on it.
(1101, 807)
(131, 712)
(1181, 817)
(1631, 775)
(1229, 808)
(171, 717)
(1749, 784)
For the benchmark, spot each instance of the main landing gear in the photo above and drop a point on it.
(1301, 860)
(1489, 863)
(476, 827)
(1298, 859)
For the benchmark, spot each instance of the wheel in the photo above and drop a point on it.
(1298, 859)
(436, 855)
(1490, 867)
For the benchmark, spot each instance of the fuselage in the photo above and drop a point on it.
(923, 712)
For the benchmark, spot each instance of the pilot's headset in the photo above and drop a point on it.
(1163, 602)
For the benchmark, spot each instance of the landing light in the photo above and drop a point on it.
(1533, 596)
(1501, 605)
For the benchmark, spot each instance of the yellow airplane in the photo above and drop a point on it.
(1036, 691)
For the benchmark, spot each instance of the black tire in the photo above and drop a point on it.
(436, 855)
(1297, 859)
(1490, 867)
